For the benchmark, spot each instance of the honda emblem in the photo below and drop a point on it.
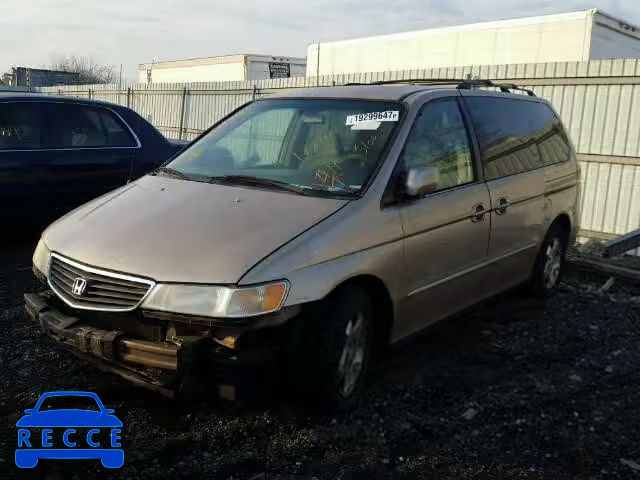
(79, 286)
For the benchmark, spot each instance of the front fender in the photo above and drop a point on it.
(360, 239)
(317, 281)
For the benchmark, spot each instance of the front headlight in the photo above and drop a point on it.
(212, 301)
(41, 258)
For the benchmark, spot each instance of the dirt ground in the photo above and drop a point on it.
(513, 389)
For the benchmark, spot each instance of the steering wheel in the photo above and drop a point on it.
(355, 159)
(355, 167)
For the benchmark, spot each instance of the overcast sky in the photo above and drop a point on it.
(129, 32)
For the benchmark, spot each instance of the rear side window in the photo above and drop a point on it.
(553, 143)
(81, 126)
(19, 126)
(516, 136)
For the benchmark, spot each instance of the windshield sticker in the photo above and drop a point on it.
(369, 118)
(369, 125)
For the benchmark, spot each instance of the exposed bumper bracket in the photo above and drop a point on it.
(127, 357)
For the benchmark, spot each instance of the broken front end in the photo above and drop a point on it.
(122, 323)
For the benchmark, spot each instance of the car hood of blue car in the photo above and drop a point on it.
(69, 418)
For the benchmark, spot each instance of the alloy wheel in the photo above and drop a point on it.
(552, 263)
(351, 362)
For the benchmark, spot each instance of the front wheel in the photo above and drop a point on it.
(549, 265)
(333, 351)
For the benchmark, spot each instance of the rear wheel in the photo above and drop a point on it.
(549, 265)
(334, 347)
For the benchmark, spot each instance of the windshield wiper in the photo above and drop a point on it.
(265, 182)
(172, 172)
(334, 192)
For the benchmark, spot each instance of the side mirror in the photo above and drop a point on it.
(421, 180)
(29, 411)
(109, 411)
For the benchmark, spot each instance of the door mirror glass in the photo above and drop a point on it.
(421, 180)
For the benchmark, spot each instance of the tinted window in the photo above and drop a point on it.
(80, 126)
(516, 135)
(19, 126)
(439, 139)
(553, 142)
(118, 134)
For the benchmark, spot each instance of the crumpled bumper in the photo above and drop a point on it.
(156, 365)
(110, 350)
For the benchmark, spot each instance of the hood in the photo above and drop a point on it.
(173, 230)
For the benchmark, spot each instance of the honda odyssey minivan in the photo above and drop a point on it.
(307, 230)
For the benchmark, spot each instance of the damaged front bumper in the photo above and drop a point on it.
(161, 365)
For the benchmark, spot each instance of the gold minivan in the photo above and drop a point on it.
(308, 229)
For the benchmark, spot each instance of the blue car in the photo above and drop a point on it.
(57, 153)
(36, 447)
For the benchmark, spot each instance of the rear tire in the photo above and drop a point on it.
(549, 264)
(333, 349)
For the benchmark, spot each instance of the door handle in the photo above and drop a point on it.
(478, 212)
(503, 204)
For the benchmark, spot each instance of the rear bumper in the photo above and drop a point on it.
(157, 365)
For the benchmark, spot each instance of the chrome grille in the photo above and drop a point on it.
(103, 290)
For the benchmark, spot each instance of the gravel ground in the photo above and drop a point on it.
(513, 389)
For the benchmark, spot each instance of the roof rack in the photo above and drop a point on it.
(504, 87)
(411, 81)
(460, 84)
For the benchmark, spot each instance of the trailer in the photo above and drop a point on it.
(27, 77)
(226, 68)
(567, 37)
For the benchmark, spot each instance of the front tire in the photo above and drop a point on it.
(549, 265)
(333, 350)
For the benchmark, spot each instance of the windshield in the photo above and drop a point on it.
(314, 145)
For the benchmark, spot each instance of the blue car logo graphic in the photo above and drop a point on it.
(33, 446)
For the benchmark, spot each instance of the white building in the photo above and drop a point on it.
(576, 36)
(222, 69)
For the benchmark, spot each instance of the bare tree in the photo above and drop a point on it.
(89, 71)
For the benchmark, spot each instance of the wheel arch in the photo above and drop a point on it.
(563, 221)
(382, 301)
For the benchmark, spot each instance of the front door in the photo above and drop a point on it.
(21, 199)
(447, 231)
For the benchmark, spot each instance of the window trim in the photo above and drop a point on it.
(478, 173)
(67, 149)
